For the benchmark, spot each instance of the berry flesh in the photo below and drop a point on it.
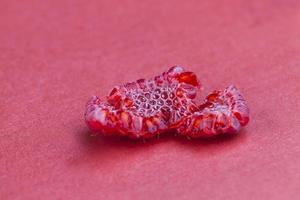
(222, 112)
(148, 107)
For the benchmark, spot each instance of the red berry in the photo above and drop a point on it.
(222, 112)
(146, 107)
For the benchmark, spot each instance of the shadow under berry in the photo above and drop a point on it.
(101, 151)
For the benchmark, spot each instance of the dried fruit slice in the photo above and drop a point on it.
(222, 112)
(146, 107)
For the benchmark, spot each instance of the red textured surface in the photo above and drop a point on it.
(55, 54)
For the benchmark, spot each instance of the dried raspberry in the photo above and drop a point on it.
(145, 108)
(222, 112)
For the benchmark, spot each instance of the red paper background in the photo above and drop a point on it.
(56, 54)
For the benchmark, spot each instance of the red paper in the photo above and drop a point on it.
(56, 54)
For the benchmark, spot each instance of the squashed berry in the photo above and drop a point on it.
(149, 107)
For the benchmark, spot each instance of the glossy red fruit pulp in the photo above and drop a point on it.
(146, 107)
(222, 112)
